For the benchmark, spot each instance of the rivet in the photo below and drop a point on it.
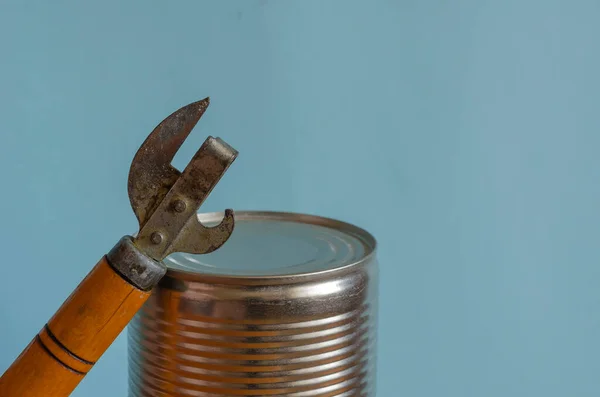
(156, 238)
(179, 205)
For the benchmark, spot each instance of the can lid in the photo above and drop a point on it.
(275, 244)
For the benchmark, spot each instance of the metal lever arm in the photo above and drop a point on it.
(86, 324)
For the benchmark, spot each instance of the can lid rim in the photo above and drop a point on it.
(367, 239)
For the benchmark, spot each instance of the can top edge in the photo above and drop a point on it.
(271, 245)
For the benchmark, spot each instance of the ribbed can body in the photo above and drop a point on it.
(311, 334)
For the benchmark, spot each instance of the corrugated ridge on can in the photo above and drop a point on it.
(288, 307)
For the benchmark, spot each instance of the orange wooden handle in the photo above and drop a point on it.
(86, 324)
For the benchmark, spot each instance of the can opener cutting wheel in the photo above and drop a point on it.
(165, 202)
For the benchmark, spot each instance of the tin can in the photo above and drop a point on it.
(287, 307)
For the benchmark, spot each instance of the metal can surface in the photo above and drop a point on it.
(287, 307)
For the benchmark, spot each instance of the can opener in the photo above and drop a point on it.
(165, 202)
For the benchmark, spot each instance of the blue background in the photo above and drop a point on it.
(463, 134)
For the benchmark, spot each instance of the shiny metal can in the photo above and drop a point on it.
(287, 307)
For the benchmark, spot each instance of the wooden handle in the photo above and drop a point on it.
(86, 324)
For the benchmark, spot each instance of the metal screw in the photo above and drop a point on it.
(156, 238)
(179, 205)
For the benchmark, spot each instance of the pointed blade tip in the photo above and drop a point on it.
(204, 102)
(198, 107)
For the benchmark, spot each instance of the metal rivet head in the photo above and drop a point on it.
(156, 238)
(179, 205)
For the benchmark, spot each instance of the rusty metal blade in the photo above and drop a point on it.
(151, 175)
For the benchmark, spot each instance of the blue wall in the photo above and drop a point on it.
(463, 134)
